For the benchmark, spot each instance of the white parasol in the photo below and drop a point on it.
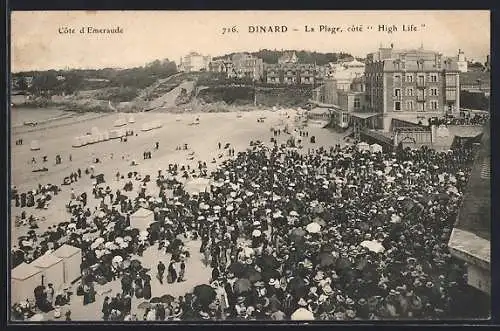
(37, 318)
(373, 246)
(302, 314)
(395, 218)
(117, 259)
(313, 227)
(256, 233)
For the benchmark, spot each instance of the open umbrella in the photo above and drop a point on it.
(268, 262)
(167, 298)
(297, 287)
(117, 259)
(343, 263)
(319, 221)
(297, 234)
(313, 227)
(326, 259)
(256, 233)
(205, 294)
(270, 274)
(302, 314)
(248, 251)
(237, 269)
(135, 264)
(373, 246)
(155, 300)
(107, 258)
(252, 275)
(242, 285)
(119, 240)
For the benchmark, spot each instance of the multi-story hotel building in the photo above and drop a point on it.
(247, 66)
(412, 82)
(194, 62)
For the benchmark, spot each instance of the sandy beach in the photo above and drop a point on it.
(202, 139)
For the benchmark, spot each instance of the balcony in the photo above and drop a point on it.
(421, 83)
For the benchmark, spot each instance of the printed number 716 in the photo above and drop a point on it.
(232, 29)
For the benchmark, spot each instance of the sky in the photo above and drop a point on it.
(37, 41)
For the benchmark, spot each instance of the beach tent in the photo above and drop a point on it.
(113, 134)
(84, 140)
(362, 146)
(376, 148)
(105, 135)
(72, 258)
(24, 279)
(131, 119)
(197, 186)
(52, 269)
(35, 145)
(146, 127)
(77, 142)
(141, 219)
(120, 122)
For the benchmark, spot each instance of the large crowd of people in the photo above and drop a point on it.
(326, 234)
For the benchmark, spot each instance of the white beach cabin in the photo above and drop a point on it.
(24, 279)
(52, 269)
(72, 258)
(141, 219)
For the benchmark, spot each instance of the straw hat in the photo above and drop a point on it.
(327, 290)
(240, 299)
(273, 282)
(302, 302)
(319, 276)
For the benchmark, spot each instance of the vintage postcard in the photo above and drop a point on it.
(249, 165)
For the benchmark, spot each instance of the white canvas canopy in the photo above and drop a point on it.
(373, 246)
(146, 127)
(72, 258)
(25, 278)
(35, 145)
(131, 119)
(85, 140)
(141, 219)
(105, 135)
(376, 148)
(151, 126)
(120, 122)
(362, 146)
(94, 139)
(77, 142)
(197, 186)
(52, 269)
(113, 134)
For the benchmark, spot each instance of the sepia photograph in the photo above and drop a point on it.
(293, 166)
